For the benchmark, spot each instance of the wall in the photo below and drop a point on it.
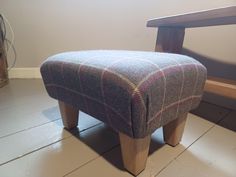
(46, 27)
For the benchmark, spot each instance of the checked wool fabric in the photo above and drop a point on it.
(134, 92)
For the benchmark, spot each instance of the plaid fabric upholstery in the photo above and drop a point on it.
(133, 92)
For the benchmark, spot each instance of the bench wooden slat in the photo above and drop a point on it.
(221, 87)
(220, 16)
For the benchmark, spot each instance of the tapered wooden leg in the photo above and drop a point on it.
(69, 115)
(134, 152)
(173, 131)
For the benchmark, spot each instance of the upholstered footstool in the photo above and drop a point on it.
(133, 92)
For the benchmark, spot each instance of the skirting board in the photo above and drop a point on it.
(24, 73)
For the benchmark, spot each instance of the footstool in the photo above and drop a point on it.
(133, 92)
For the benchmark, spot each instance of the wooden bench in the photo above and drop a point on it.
(171, 31)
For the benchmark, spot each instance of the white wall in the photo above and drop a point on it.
(46, 27)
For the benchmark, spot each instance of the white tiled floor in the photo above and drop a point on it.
(33, 142)
(212, 155)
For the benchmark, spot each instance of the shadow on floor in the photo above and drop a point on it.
(52, 113)
(104, 141)
(221, 116)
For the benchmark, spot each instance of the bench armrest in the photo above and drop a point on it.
(213, 17)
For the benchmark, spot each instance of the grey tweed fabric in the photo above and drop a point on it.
(134, 92)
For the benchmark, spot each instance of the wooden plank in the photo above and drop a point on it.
(221, 87)
(213, 17)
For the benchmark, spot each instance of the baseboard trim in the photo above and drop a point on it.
(24, 73)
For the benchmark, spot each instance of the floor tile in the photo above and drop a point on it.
(30, 125)
(195, 127)
(30, 140)
(99, 138)
(210, 112)
(38, 137)
(60, 158)
(23, 92)
(229, 121)
(25, 104)
(213, 154)
(110, 164)
(86, 121)
(13, 121)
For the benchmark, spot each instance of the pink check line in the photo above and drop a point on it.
(90, 98)
(171, 105)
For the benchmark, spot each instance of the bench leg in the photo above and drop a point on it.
(134, 152)
(173, 131)
(69, 115)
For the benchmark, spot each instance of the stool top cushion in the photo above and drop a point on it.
(132, 91)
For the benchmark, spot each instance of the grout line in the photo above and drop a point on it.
(224, 117)
(195, 141)
(4, 136)
(185, 150)
(175, 158)
(214, 124)
(113, 147)
(218, 105)
(74, 134)
(34, 151)
(37, 149)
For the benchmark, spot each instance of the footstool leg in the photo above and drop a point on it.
(69, 115)
(134, 152)
(173, 131)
